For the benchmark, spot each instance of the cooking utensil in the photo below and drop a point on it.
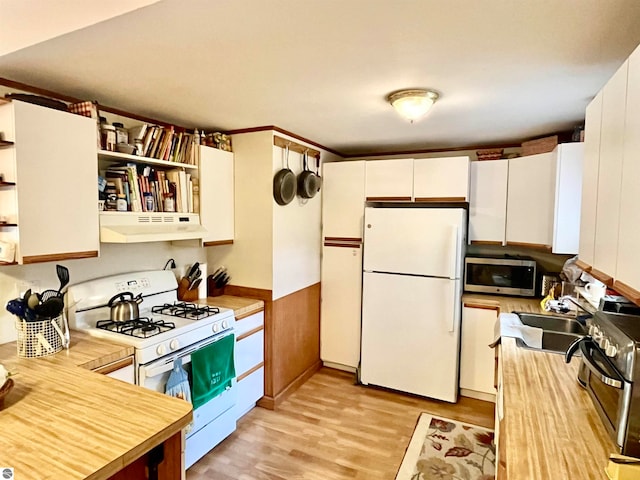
(307, 181)
(195, 284)
(55, 326)
(50, 308)
(63, 276)
(124, 307)
(318, 177)
(284, 183)
(192, 271)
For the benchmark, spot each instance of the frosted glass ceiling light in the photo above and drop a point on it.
(412, 104)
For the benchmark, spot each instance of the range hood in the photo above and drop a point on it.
(128, 227)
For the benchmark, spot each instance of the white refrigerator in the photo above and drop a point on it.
(411, 299)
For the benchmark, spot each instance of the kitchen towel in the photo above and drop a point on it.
(212, 370)
(178, 382)
(509, 325)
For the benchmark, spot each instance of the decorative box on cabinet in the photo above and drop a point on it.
(249, 361)
(216, 196)
(488, 202)
(477, 360)
(51, 211)
(443, 179)
(389, 180)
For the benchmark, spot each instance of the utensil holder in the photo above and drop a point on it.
(39, 338)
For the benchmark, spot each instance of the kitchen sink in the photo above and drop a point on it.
(557, 332)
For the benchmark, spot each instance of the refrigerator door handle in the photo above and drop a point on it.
(453, 251)
(452, 311)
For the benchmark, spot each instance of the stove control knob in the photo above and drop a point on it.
(225, 324)
(604, 344)
(174, 344)
(216, 328)
(161, 350)
(611, 350)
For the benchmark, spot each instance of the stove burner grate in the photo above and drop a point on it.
(142, 327)
(190, 311)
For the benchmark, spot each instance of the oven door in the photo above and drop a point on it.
(154, 376)
(610, 392)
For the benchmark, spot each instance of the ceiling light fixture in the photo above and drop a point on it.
(413, 104)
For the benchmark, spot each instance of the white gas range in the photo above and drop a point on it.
(166, 330)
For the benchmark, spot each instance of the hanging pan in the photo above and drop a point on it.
(307, 180)
(284, 183)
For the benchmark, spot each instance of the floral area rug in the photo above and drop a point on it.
(443, 449)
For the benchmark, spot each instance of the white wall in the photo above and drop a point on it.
(114, 258)
(248, 260)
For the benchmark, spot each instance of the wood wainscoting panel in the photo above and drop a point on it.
(296, 339)
(291, 339)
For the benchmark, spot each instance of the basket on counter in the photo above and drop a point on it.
(40, 338)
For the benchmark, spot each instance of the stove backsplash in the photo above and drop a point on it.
(114, 259)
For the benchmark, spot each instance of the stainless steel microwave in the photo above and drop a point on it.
(505, 275)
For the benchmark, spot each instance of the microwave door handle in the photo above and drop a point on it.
(603, 376)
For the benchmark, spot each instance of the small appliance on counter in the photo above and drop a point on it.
(618, 304)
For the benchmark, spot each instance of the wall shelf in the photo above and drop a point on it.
(124, 157)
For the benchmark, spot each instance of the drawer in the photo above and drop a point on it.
(249, 323)
(249, 352)
(250, 389)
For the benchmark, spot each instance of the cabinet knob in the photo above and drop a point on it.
(368, 225)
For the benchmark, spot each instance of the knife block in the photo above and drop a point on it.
(184, 294)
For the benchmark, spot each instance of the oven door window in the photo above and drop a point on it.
(506, 276)
(608, 397)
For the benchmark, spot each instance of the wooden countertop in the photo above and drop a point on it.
(550, 428)
(242, 307)
(63, 421)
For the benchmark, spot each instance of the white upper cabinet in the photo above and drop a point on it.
(441, 179)
(628, 261)
(530, 200)
(566, 220)
(614, 102)
(488, 201)
(591, 163)
(389, 180)
(216, 195)
(54, 204)
(343, 200)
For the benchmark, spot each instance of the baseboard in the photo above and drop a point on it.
(272, 403)
(339, 366)
(487, 397)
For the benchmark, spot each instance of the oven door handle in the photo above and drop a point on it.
(603, 376)
(152, 371)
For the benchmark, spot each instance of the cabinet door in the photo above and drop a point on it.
(441, 179)
(216, 195)
(530, 200)
(341, 305)
(628, 261)
(614, 96)
(488, 201)
(592, 127)
(389, 180)
(477, 360)
(57, 169)
(566, 220)
(343, 200)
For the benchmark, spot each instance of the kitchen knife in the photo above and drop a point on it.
(192, 271)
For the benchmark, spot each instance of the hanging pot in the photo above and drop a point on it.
(318, 177)
(284, 183)
(307, 180)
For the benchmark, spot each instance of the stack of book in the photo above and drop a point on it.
(172, 144)
(137, 185)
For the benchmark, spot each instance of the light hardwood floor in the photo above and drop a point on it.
(329, 429)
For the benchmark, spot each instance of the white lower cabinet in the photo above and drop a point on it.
(249, 362)
(122, 369)
(341, 304)
(477, 359)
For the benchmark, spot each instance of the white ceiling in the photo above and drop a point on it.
(507, 70)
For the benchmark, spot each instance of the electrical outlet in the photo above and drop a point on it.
(23, 285)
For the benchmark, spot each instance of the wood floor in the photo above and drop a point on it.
(329, 429)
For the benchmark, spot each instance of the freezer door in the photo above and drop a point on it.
(410, 334)
(418, 241)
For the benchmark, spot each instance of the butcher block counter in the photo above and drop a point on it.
(63, 421)
(242, 307)
(550, 427)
